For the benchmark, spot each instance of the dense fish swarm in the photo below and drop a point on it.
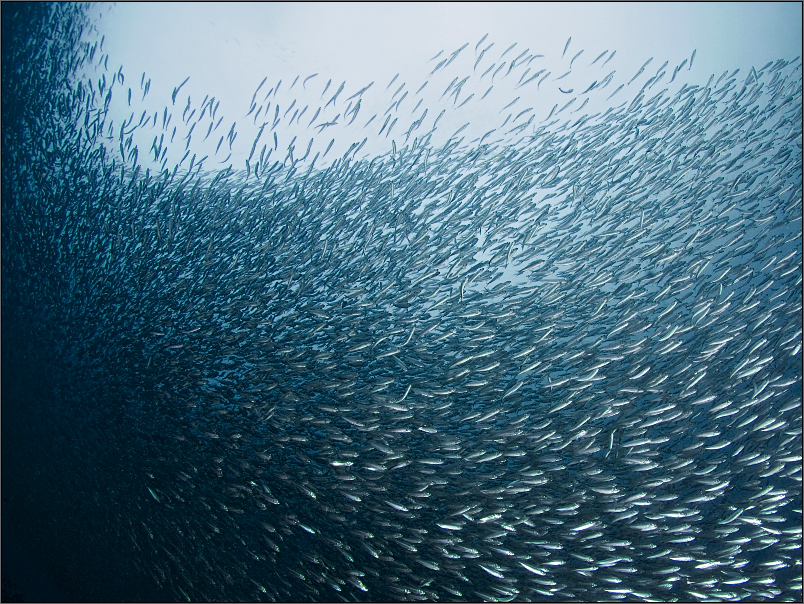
(557, 362)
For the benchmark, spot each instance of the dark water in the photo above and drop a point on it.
(319, 382)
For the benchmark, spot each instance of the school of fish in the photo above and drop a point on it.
(555, 359)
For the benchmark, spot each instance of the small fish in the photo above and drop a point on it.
(310, 77)
(602, 54)
(480, 42)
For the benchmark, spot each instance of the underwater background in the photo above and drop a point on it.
(523, 325)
